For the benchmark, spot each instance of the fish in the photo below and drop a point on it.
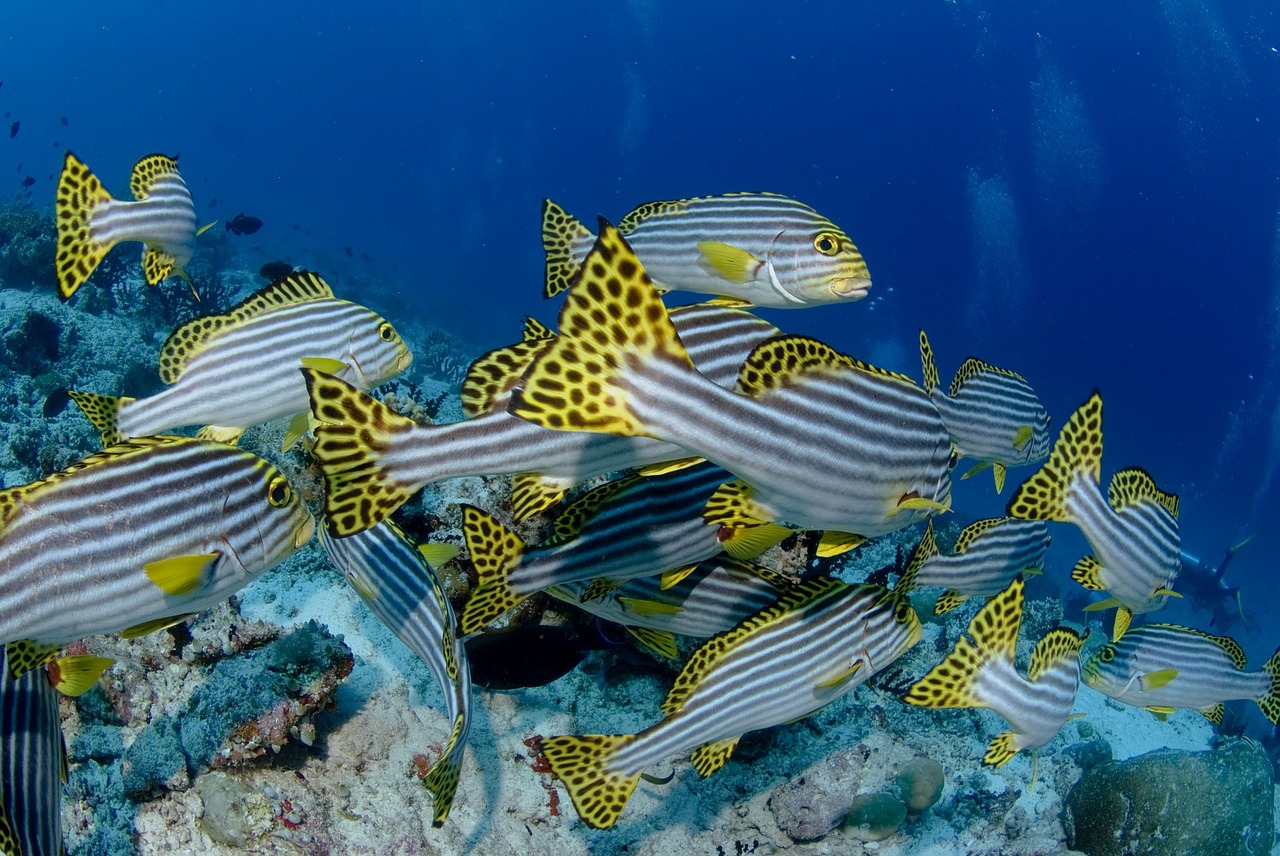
(822, 639)
(142, 531)
(1133, 531)
(992, 414)
(762, 249)
(987, 555)
(365, 450)
(13, 128)
(90, 222)
(629, 527)
(32, 761)
(243, 225)
(814, 438)
(395, 579)
(525, 655)
(56, 402)
(63, 120)
(980, 672)
(209, 362)
(28, 181)
(272, 271)
(1163, 667)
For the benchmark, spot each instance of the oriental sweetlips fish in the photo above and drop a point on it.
(1133, 530)
(986, 557)
(136, 538)
(1163, 667)
(210, 362)
(32, 760)
(90, 222)
(816, 439)
(763, 249)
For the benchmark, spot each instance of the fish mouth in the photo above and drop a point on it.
(303, 535)
(403, 361)
(851, 288)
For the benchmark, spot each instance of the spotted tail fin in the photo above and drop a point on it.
(1077, 453)
(442, 781)
(581, 762)
(1270, 703)
(79, 253)
(560, 231)
(495, 552)
(103, 411)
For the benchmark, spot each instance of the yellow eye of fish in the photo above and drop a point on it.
(826, 243)
(1107, 654)
(279, 492)
(387, 332)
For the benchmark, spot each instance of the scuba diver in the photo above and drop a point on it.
(1206, 588)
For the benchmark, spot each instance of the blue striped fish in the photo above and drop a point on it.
(1163, 667)
(395, 579)
(90, 222)
(987, 555)
(630, 527)
(980, 673)
(763, 249)
(817, 439)
(143, 532)
(374, 460)
(1133, 530)
(238, 368)
(992, 414)
(816, 644)
(31, 764)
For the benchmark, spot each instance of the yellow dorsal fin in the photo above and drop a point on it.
(560, 231)
(971, 368)
(1088, 572)
(750, 541)
(157, 265)
(663, 642)
(230, 435)
(733, 263)
(445, 774)
(490, 379)
(1157, 679)
(709, 654)
(79, 253)
(833, 543)
(1134, 485)
(154, 626)
(181, 575)
(948, 601)
(191, 338)
(653, 211)
(971, 532)
(927, 547)
(495, 552)
(103, 411)
(582, 763)
(147, 170)
(75, 675)
(673, 577)
(1001, 749)
(439, 554)
(666, 467)
(535, 331)
(24, 655)
(786, 360)
(929, 369)
(531, 493)
(710, 757)
(1077, 452)
(578, 513)
(640, 606)
(1059, 645)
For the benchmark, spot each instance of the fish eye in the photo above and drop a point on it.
(387, 332)
(279, 492)
(826, 243)
(1107, 654)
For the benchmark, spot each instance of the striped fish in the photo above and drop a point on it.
(209, 363)
(367, 452)
(1133, 530)
(760, 248)
(817, 439)
(820, 641)
(32, 762)
(980, 673)
(395, 579)
(630, 527)
(992, 414)
(135, 537)
(987, 556)
(1163, 667)
(90, 222)
(717, 595)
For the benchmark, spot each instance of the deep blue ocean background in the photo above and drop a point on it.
(1087, 193)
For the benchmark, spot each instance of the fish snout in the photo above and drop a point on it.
(851, 288)
(404, 360)
(304, 533)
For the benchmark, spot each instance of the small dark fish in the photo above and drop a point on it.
(56, 402)
(348, 250)
(243, 225)
(365, 257)
(272, 271)
(13, 128)
(296, 227)
(28, 181)
(529, 655)
(56, 144)
(213, 202)
(63, 120)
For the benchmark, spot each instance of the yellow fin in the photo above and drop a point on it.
(181, 574)
(145, 172)
(491, 377)
(576, 514)
(733, 263)
(975, 469)
(733, 505)
(1162, 712)
(560, 231)
(206, 227)
(74, 676)
(673, 577)
(948, 601)
(750, 541)
(1157, 679)
(445, 774)
(1215, 712)
(731, 302)
(531, 493)
(1088, 573)
(918, 503)
(1101, 605)
(1123, 618)
(154, 626)
(929, 369)
(581, 762)
(598, 589)
(786, 360)
(971, 532)
(495, 552)
(1023, 436)
(297, 428)
(24, 655)
(535, 331)
(328, 365)
(438, 554)
(1077, 452)
(710, 757)
(841, 677)
(661, 469)
(999, 471)
(79, 194)
(1001, 749)
(663, 642)
(971, 368)
(103, 411)
(927, 547)
(833, 543)
(640, 606)
(157, 265)
(1061, 644)
(1135, 485)
(230, 435)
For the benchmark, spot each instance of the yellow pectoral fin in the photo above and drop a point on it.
(206, 227)
(1102, 604)
(638, 606)
(181, 574)
(74, 676)
(328, 365)
(675, 575)
(1024, 434)
(298, 426)
(732, 263)
(438, 554)
(749, 542)
(668, 467)
(833, 543)
(975, 469)
(1168, 592)
(841, 677)
(1156, 680)
(919, 502)
(154, 626)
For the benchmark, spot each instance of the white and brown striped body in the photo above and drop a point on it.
(165, 220)
(31, 764)
(1035, 710)
(985, 564)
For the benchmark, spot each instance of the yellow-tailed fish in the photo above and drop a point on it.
(817, 643)
(980, 673)
(817, 439)
(142, 531)
(992, 414)
(987, 556)
(373, 460)
(1163, 667)
(759, 248)
(395, 579)
(239, 368)
(90, 222)
(1133, 530)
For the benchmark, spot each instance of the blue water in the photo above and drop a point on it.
(1086, 193)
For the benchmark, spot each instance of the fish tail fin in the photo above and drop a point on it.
(442, 781)
(560, 231)
(1078, 452)
(927, 547)
(495, 552)
(927, 365)
(353, 434)
(613, 327)
(79, 253)
(581, 762)
(103, 411)
(1270, 703)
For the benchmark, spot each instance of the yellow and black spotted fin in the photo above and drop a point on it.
(154, 626)
(1077, 453)
(733, 263)
(581, 762)
(147, 170)
(532, 493)
(560, 231)
(1133, 485)
(495, 551)
(353, 432)
(710, 757)
(598, 589)
(665, 467)
(568, 524)
(675, 576)
(76, 675)
(181, 575)
(79, 194)
(1214, 713)
(490, 379)
(971, 532)
(1226, 643)
(927, 547)
(25, 655)
(947, 601)
(227, 434)
(733, 505)
(747, 542)
(103, 411)
(1270, 703)
(157, 265)
(663, 642)
(443, 779)
(973, 367)
(1061, 644)
(834, 543)
(8, 838)
(1088, 572)
(929, 369)
(786, 360)
(535, 331)
(1001, 749)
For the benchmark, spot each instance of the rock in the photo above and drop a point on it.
(874, 816)
(1171, 802)
(224, 817)
(1089, 755)
(920, 783)
(810, 805)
